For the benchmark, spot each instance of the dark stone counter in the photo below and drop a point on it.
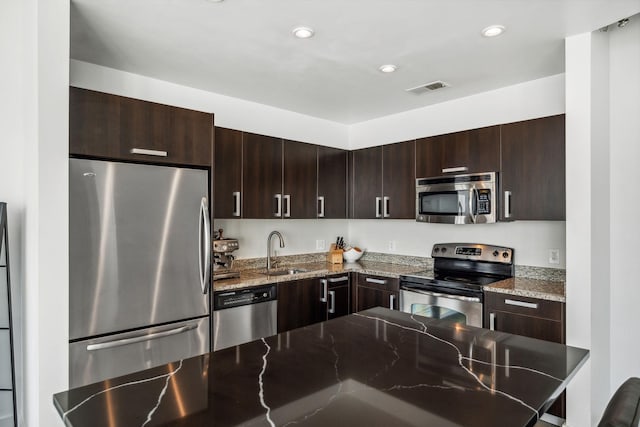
(377, 368)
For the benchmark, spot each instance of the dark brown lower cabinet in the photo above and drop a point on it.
(376, 291)
(530, 317)
(298, 304)
(304, 302)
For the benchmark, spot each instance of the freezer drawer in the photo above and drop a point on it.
(114, 355)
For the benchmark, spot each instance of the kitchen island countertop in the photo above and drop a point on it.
(376, 367)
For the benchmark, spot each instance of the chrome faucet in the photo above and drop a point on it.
(276, 233)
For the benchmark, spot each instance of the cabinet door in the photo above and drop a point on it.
(94, 123)
(399, 180)
(262, 176)
(370, 297)
(227, 173)
(366, 175)
(300, 180)
(469, 151)
(533, 169)
(332, 182)
(298, 302)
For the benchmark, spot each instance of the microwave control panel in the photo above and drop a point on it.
(483, 202)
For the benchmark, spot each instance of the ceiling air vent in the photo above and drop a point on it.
(428, 87)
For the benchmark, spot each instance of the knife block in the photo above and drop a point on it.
(334, 256)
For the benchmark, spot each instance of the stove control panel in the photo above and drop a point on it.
(473, 251)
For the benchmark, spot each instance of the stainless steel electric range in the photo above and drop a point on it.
(453, 291)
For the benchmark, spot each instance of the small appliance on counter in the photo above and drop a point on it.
(223, 257)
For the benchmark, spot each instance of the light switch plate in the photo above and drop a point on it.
(554, 256)
(392, 245)
(320, 245)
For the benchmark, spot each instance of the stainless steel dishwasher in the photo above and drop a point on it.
(244, 315)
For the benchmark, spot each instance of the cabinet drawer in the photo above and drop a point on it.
(380, 282)
(552, 310)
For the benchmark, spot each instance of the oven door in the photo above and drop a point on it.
(451, 308)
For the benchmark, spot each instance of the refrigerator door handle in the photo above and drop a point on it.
(204, 231)
(141, 338)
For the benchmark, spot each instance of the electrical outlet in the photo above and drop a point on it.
(392, 245)
(554, 256)
(320, 245)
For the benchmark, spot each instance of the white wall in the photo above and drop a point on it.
(34, 35)
(229, 112)
(299, 235)
(536, 98)
(625, 176)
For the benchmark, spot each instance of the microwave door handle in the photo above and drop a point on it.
(472, 199)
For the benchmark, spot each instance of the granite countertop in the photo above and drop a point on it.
(257, 277)
(376, 367)
(526, 287)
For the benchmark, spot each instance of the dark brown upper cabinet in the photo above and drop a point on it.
(227, 173)
(383, 181)
(366, 181)
(533, 169)
(262, 176)
(399, 180)
(115, 127)
(469, 151)
(332, 179)
(299, 193)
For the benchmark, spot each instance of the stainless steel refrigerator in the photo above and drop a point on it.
(139, 267)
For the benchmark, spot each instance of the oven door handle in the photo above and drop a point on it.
(440, 295)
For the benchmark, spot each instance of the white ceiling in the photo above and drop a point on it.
(244, 48)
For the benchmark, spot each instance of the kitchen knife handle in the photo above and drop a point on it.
(321, 202)
(323, 297)
(278, 198)
(332, 305)
(378, 207)
(236, 203)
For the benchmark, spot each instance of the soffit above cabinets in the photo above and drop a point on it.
(245, 48)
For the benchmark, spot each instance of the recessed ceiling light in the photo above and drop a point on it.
(388, 68)
(303, 32)
(493, 31)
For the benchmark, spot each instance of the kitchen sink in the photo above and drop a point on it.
(286, 272)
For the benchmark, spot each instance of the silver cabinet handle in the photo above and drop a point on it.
(378, 207)
(338, 279)
(279, 205)
(332, 306)
(287, 205)
(386, 207)
(323, 297)
(455, 169)
(147, 152)
(524, 304)
(507, 204)
(392, 300)
(204, 260)
(321, 201)
(492, 321)
(141, 338)
(376, 281)
(236, 203)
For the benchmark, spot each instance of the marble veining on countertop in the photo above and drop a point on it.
(416, 372)
(526, 287)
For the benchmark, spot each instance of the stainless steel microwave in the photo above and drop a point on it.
(457, 199)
